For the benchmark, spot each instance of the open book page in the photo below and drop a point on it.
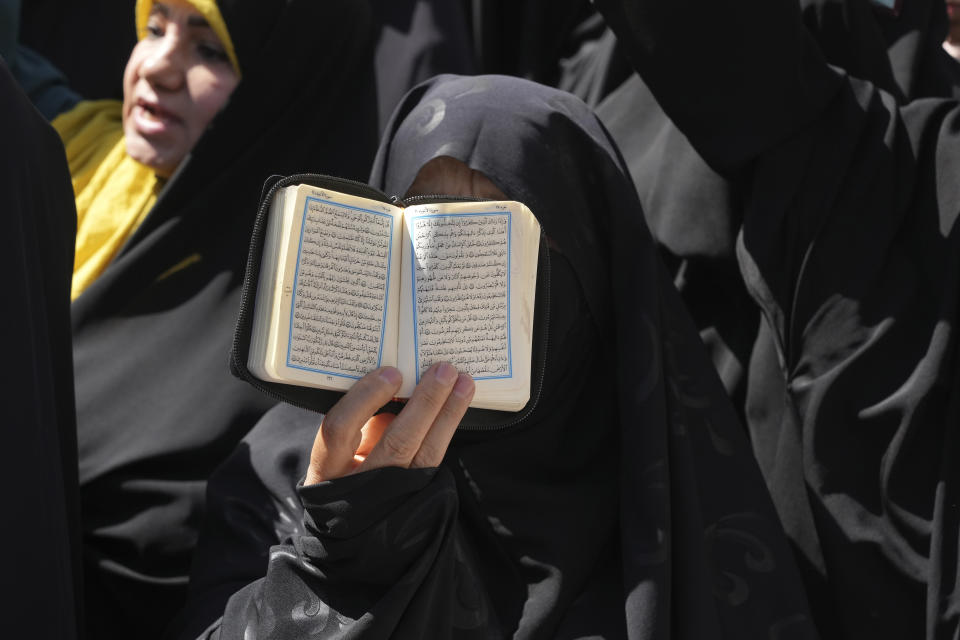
(338, 287)
(469, 280)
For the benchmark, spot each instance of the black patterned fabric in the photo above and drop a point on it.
(850, 244)
(627, 506)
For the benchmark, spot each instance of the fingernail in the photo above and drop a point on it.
(391, 376)
(464, 386)
(445, 373)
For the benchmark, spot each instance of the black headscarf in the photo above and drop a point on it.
(38, 464)
(157, 409)
(626, 505)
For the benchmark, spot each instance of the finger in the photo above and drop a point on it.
(371, 433)
(434, 445)
(402, 439)
(339, 435)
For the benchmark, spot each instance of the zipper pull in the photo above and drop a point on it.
(396, 201)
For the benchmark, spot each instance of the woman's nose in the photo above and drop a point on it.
(163, 66)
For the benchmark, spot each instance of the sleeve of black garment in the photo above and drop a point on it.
(380, 554)
(736, 77)
(252, 504)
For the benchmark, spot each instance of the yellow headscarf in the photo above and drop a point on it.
(113, 191)
(209, 10)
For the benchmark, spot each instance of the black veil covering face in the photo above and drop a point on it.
(626, 505)
(157, 409)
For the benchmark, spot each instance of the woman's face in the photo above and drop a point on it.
(177, 79)
(452, 177)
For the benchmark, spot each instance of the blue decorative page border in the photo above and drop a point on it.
(296, 280)
(413, 287)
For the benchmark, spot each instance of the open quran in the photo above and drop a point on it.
(348, 284)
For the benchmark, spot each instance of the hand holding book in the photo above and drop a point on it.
(415, 438)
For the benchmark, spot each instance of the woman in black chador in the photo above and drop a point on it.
(624, 505)
(176, 189)
(850, 245)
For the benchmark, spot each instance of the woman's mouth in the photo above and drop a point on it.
(151, 118)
